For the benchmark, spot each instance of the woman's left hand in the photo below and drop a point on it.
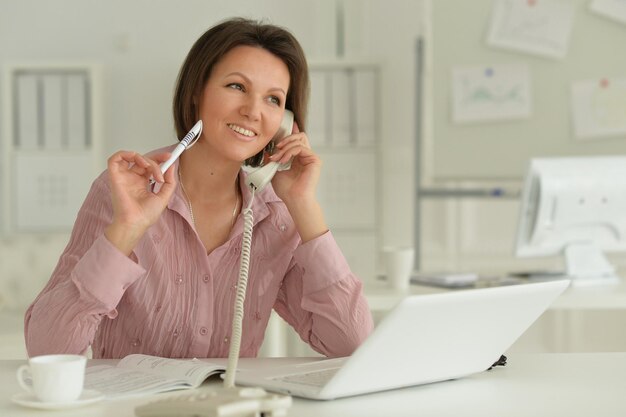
(300, 182)
(297, 186)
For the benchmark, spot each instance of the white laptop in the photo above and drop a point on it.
(424, 339)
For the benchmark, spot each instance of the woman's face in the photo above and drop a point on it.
(243, 102)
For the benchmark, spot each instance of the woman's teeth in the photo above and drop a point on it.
(241, 130)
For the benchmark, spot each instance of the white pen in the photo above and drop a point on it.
(185, 143)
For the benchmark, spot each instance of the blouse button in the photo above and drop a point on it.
(205, 278)
(158, 308)
(226, 340)
(282, 227)
(203, 331)
(175, 333)
(179, 279)
(135, 343)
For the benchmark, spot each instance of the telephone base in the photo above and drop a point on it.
(218, 402)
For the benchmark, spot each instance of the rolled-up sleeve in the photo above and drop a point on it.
(86, 285)
(323, 300)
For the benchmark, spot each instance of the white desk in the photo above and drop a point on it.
(600, 297)
(582, 319)
(573, 385)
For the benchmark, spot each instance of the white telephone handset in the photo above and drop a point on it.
(261, 176)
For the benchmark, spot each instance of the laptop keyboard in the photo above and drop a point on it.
(314, 379)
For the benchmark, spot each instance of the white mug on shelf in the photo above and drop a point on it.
(399, 262)
(55, 378)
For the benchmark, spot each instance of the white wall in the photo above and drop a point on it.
(393, 32)
(140, 45)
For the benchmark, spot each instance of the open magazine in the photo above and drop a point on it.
(143, 374)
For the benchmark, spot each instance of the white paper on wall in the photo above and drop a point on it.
(490, 93)
(540, 27)
(599, 108)
(613, 9)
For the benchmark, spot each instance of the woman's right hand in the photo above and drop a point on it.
(135, 206)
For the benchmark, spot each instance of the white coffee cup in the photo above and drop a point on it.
(56, 378)
(398, 266)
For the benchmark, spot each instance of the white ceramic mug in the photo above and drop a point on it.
(56, 378)
(398, 266)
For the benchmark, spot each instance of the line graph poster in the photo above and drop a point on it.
(490, 93)
(599, 108)
(539, 27)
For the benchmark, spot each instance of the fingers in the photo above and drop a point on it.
(148, 167)
(294, 145)
(121, 160)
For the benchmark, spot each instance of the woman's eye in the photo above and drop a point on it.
(236, 86)
(274, 100)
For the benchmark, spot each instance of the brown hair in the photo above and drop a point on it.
(214, 44)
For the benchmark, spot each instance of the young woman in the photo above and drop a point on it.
(155, 271)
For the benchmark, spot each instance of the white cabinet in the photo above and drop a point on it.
(343, 127)
(50, 144)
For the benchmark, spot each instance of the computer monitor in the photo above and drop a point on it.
(575, 207)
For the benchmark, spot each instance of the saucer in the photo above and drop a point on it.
(27, 399)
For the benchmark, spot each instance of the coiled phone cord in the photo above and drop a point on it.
(242, 283)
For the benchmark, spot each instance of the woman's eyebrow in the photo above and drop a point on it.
(248, 80)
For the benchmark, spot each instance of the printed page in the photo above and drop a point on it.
(191, 371)
(144, 374)
(116, 382)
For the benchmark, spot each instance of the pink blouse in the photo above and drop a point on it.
(172, 299)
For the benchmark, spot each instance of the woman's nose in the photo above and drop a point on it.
(251, 109)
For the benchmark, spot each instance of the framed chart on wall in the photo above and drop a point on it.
(516, 79)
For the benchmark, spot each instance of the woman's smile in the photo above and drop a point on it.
(242, 132)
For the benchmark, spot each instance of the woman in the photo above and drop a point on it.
(155, 272)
